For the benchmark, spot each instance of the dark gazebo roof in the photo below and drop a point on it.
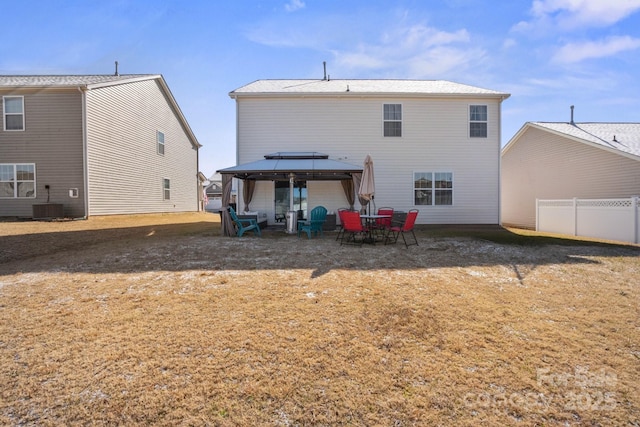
(303, 165)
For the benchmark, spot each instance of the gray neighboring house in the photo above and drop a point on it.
(95, 144)
(566, 160)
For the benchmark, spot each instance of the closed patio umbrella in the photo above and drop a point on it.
(367, 184)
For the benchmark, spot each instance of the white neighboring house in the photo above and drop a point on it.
(568, 160)
(435, 144)
(213, 191)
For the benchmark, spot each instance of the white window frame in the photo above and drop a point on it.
(16, 181)
(166, 189)
(474, 120)
(5, 114)
(160, 142)
(386, 120)
(433, 189)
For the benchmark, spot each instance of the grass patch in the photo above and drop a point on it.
(514, 236)
(160, 321)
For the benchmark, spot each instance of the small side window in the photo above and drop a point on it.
(13, 111)
(392, 119)
(160, 142)
(477, 121)
(166, 189)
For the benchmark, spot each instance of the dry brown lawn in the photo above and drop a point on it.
(157, 320)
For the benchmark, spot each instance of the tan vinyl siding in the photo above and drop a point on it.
(544, 165)
(52, 140)
(435, 138)
(125, 171)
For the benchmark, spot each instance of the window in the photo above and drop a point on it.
(478, 121)
(392, 119)
(160, 142)
(17, 180)
(433, 188)
(166, 188)
(13, 109)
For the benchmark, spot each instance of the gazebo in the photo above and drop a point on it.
(287, 166)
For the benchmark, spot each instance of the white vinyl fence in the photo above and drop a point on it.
(611, 219)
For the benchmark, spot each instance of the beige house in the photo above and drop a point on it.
(95, 145)
(567, 160)
(435, 146)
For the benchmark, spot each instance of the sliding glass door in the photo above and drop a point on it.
(282, 199)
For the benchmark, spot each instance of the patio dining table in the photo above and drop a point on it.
(370, 222)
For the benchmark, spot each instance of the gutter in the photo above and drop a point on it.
(85, 160)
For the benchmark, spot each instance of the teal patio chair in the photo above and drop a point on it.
(243, 225)
(317, 217)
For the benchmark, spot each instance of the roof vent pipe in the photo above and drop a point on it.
(572, 122)
(117, 73)
(324, 64)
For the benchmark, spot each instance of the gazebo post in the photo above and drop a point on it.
(291, 185)
(292, 216)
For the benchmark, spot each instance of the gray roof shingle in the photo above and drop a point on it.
(373, 87)
(624, 137)
(69, 80)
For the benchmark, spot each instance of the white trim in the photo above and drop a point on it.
(486, 122)
(158, 144)
(433, 189)
(394, 121)
(85, 152)
(117, 82)
(165, 189)
(15, 181)
(4, 114)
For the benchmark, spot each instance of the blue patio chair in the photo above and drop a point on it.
(243, 225)
(317, 217)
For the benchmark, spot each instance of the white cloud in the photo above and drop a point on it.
(294, 5)
(359, 60)
(509, 43)
(576, 52)
(420, 51)
(571, 14)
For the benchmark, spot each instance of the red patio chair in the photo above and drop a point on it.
(395, 231)
(352, 228)
(341, 230)
(383, 224)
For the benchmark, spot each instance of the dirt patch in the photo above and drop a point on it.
(158, 320)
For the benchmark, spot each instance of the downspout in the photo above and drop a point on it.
(502, 99)
(199, 187)
(239, 187)
(85, 161)
(500, 163)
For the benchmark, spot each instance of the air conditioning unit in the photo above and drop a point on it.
(48, 211)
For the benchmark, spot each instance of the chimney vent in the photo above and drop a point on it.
(572, 122)
(324, 64)
(117, 73)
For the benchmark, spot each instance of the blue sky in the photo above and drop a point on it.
(548, 54)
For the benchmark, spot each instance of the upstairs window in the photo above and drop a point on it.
(433, 188)
(392, 119)
(13, 110)
(166, 189)
(17, 181)
(160, 142)
(478, 121)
